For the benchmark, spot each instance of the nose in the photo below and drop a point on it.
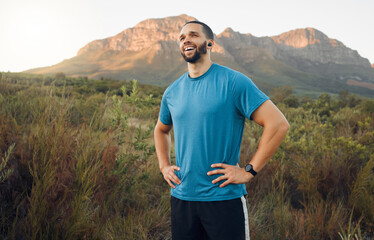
(186, 40)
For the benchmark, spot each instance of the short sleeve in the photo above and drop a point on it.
(165, 116)
(247, 96)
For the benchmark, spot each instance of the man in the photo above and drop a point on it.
(207, 107)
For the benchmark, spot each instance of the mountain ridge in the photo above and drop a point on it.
(149, 53)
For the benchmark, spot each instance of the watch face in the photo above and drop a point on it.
(248, 168)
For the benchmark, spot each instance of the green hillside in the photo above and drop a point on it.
(271, 73)
(78, 162)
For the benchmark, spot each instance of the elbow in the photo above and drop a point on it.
(284, 126)
(156, 132)
(161, 129)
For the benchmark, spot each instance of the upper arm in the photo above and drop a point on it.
(267, 113)
(246, 95)
(163, 127)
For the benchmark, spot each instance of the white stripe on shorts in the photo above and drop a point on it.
(246, 221)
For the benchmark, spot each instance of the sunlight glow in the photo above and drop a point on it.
(38, 33)
(32, 32)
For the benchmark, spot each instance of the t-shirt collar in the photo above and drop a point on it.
(202, 76)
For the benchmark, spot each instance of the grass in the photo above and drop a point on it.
(79, 163)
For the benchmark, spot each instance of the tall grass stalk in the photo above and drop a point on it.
(84, 165)
(352, 232)
(5, 172)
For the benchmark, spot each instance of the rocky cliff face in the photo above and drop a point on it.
(293, 47)
(246, 48)
(149, 52)
(312, 45)
(146, 34)
(300, 48)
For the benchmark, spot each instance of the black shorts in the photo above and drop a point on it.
(193, 220)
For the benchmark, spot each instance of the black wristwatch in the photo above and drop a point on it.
(249, 168)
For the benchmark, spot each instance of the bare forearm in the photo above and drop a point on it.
(162, 143)
(272, 137)
(275, 128)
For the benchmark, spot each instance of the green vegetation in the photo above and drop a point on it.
(268, 74)
(78, 162)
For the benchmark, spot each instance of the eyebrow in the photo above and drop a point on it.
(190, 32)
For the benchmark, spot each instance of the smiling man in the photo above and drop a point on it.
(207, 107)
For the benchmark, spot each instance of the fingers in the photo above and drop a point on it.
(219, 179)
(219, 165)
(170, 183)
(230, 173)
(225, 183)
(217, 171)
(176, 168)
(175, 179)
(170, 176)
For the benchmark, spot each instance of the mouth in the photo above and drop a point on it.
(189, 48)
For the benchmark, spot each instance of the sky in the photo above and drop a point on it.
(38, 33)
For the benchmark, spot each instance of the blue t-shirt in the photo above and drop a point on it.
(208, 115)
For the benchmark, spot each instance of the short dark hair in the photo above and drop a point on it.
(206, 29)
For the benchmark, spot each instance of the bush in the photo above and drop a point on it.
(78, 162)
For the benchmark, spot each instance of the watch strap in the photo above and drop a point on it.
(249, 168)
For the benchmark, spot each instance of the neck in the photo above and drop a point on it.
(199, 67)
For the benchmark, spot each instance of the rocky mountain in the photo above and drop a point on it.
(302, 44)
(304, 58)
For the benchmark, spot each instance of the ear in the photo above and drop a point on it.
(210, 43)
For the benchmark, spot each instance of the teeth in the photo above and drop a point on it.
(188, 48)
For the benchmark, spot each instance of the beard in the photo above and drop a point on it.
(199, 51)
